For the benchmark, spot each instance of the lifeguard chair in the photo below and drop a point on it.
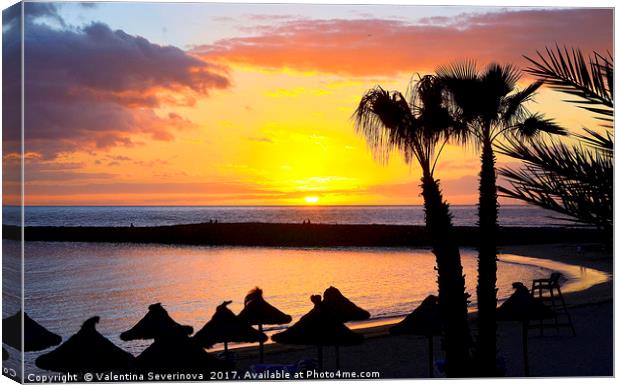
(548, 290)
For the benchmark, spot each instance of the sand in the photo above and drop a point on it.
(555, 353)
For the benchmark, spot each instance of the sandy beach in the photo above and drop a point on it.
(590, 353)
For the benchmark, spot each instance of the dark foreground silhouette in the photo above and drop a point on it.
(227, 327)
(172, 349)
(87, 351)
(425, 320)
(36, 337)
(320, 327)
(289, 234)
(257, 311)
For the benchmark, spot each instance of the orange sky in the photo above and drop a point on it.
(262, 117)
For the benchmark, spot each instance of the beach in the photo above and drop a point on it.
(590, 353)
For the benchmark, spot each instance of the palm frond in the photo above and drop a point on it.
(465, 70)
(500, 79)
(569, 179)
(513, 103)
(599, 141)
(386, 121)
(591, 81)
(534, 125)
(416, 127)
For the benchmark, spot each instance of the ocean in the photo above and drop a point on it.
(528, 216)
(66, 283)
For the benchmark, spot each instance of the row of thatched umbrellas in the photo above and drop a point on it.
(175, 349)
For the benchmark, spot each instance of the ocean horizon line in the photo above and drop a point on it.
(269, 206)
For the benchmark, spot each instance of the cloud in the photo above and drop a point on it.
(94, 88)
(95, 188)
(386, 47)
(464, 186)
(261, 139)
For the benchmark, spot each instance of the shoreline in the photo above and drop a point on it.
(587, 290)
(297, 235)
(550, 355)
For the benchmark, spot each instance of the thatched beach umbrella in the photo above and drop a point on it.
(319, 327)
(425, 320)
(226, 327)
(87, 351)
(344, 309)
(36, 337)
(522, 306)
(156, 323)
(178, 353)
(173, 349)
(257, 311)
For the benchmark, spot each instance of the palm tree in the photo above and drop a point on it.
(489, 103)
(573, 179)
(419, 126)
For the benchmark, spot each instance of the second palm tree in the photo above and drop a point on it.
(490, 105)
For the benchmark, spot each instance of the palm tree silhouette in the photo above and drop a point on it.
(490, 105)
(419, 126)
(572, 178)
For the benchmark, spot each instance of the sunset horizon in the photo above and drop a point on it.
(251, 192)
(241, 115)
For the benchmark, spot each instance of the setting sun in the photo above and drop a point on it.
(311, 199)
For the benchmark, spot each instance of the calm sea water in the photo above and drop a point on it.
(66, 283)
(167, 215)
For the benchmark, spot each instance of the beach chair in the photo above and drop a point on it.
(548, 290)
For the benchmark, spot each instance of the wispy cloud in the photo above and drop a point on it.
(386, 47)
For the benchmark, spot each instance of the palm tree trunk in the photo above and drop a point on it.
(487, 263)
(452, 296)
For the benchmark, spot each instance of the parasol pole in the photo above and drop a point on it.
(261, 346)
(337, 357)
(526, 363)
(320, 356)
(430, 356)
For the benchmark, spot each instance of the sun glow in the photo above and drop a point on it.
(311, 199)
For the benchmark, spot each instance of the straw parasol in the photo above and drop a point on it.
(173, 349)
(342, 307)
(178, 353)
(156, 323)
(36, 337)
(226, 327)
(259, 312)
(522, 306)
(319, 327)
(425, 320)
(86, 351)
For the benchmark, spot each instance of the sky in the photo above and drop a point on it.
(251, 104)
